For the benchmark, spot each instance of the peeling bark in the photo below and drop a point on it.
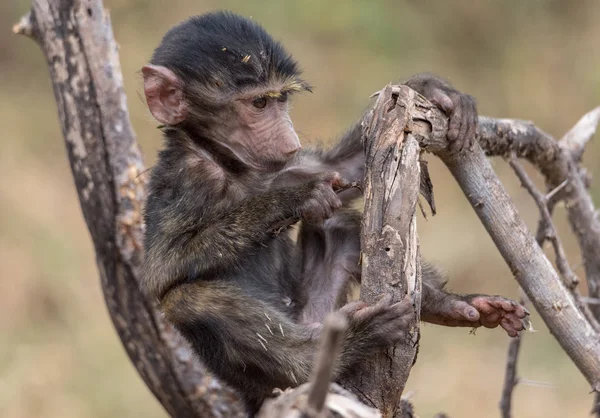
(391, 262)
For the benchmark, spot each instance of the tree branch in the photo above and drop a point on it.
(510, 376)
(390, 251)
(546, 225)
(528, 263)
(548, 232)
(331, 343)
(495, 209)
(320, 398)
(576, 139)
(557, 161)
(77, 41)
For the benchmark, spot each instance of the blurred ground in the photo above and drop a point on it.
(538, 60)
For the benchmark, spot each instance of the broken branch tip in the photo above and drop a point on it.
(24, 26)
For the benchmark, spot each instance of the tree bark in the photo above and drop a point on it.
(77, 41)
(532, 270)
(390, 249)
(558, 162)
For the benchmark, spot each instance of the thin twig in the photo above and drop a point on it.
(331, 342)
(510, 376)
(541, 235)
(536, 383)
(596, 406)
(552, 198)
(546, 230)
(557, 189)
(570, 279)
(591, 301)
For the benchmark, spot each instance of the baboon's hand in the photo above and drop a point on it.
(459, 107)
(321, 200)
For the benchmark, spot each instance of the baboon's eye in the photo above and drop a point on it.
(260, 102)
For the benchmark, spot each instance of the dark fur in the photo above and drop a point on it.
(209, 50)
(248, 300)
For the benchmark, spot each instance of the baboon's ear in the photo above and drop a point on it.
(164, 94)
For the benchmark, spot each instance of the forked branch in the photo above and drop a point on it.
(483, 189)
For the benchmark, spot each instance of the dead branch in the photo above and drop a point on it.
(320, 398)
(548, 232)
(545, 231)
(495, 209)
(551, 199)
(77, 40)
(339, 402)
(547, 227)
(511, 378)
(389, 243)
(576, 139)
(528, 263)
(557, 161)
(331, 342)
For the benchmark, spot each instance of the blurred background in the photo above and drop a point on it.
(537, 60)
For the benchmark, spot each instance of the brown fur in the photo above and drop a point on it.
(247, 297)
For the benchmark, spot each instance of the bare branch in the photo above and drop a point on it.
(570, 279)
(77, 41)
(591, 301)
(335, 326)
(389, 244)
(552, 193)
(498, 214)
(528, 263)
(510, 376)
(558, 162)
(548, 231)
(339, 402)
(502, 137)
(575, 140)
(320, 398)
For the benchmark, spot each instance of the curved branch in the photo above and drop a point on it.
(77, 41)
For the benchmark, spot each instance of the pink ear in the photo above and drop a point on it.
(164, 94)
